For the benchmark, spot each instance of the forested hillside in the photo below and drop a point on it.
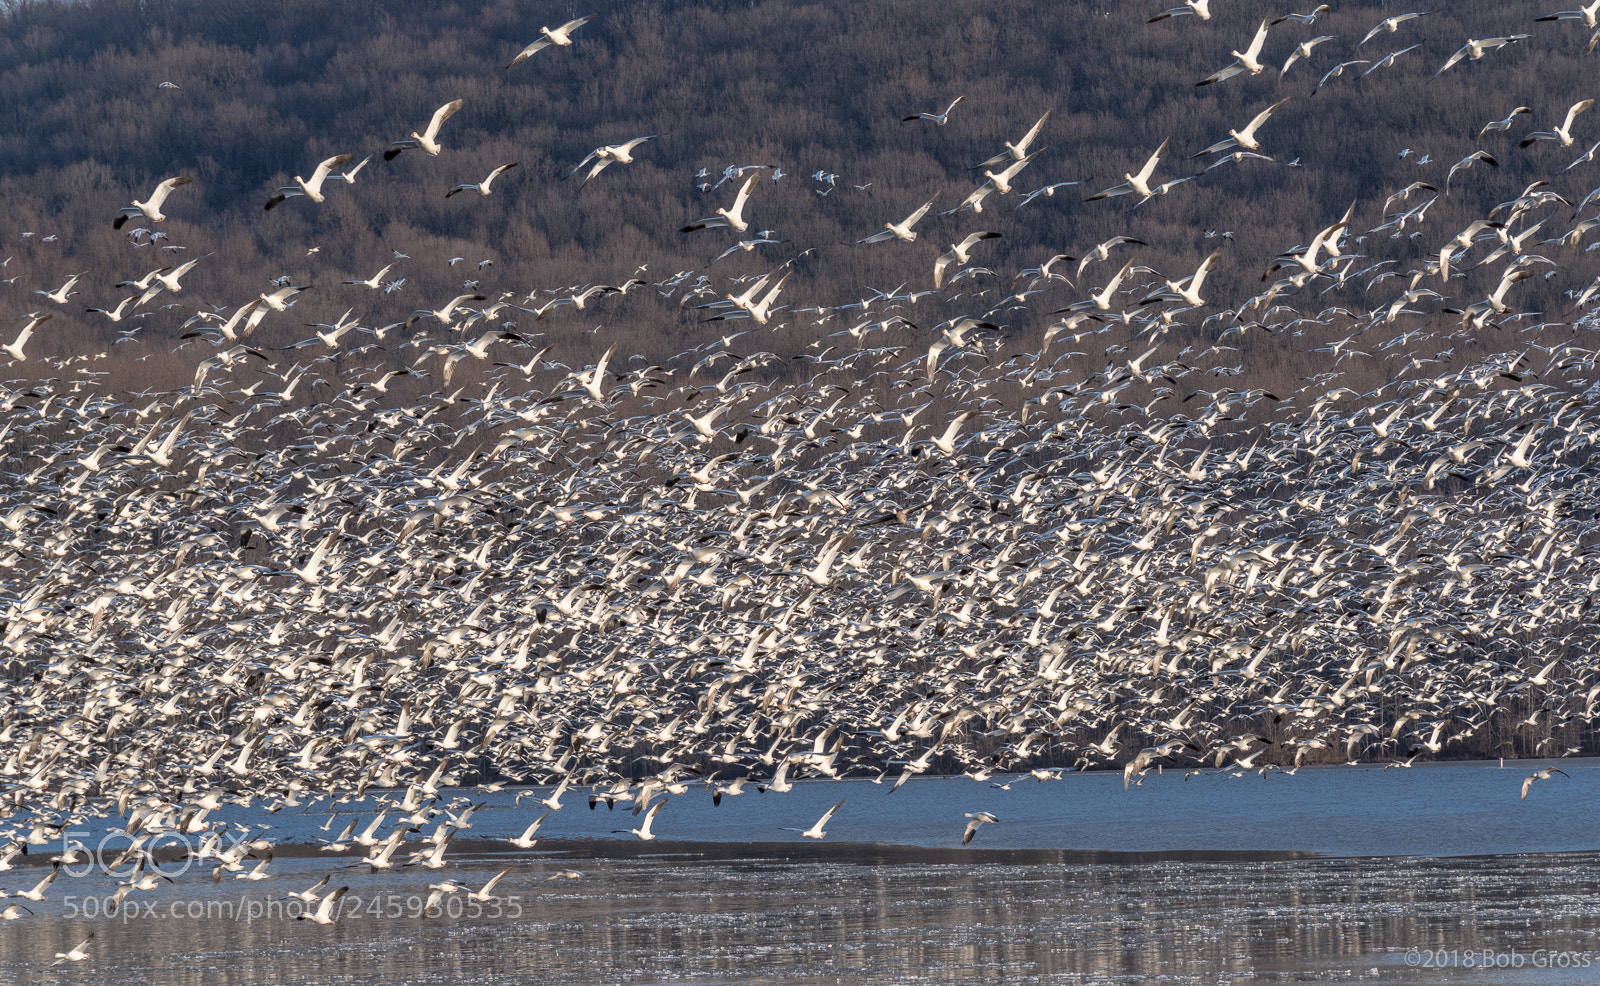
(265, 91)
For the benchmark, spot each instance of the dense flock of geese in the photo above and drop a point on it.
(904, 548)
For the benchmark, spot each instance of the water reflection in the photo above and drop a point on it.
(849, 916)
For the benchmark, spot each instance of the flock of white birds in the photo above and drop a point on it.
(905, 547)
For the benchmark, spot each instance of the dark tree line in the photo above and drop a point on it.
(266, 91)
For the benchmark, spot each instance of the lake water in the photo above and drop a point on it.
(1436, 873)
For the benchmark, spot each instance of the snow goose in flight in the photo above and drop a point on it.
(938, 118)
(1198, 8)
(1235, 158)
(901, 230)
(61, 294)
(1001, 180)
(428, 140)
(1102, 251)
(1101, 301)
(482, 187)
(1586, 157)
(1337, 71)
(561, 36)
(151, 207)
(348, 176)
(1465, 163)
(1017, 151)
(115, 314)
(1388, 59)
(1245, 138)
(945, 443)
(1543, 775)
(324, 914)
(595, 386)
(1048, 191)
(959, 253)
(375, 281)
(1248, 60)
(1562, 133)
(1326, 238)
(978, 819)
(1406, 193)
(1499, 126)
(1391, 24)
(78, 953)
(1306, 19)
(1187, 289)
(643, 831)
(1303, 50)
(731, 217)
(278, 300)
(446, 313)
(1590, 15)
(816, 831)
(993, 182)
(1475, 50)
(310, 189)
(37, 893)
(765, 237)
(168, 281)
(526, 839)
(486, 893)
(1136, 183)
(607, 155)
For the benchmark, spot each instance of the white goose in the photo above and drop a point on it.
(816, 831)
(428, 140)
(1562, 133)
(486, 893)
(1303, 50)
(1499, 126)
(1590, 15)
(731, 217)
(960, 253)
(78, 953)
(1102, 251)
(151, 207)
(978, 819)
(561, 36)
(526, 839)
(375, 281)
(1248, 60)
(310, 189)
(1245, 138)
(1391, 24)
(1198, 8)
(324, 914)
(1135, 183)
(1186, 289)
(1018, 150)
(482, 187)
(61, 294)
(1475, 50)
(607, 155)
(1101, 301)
(901, 230)
(643, 831)
(938, 118)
